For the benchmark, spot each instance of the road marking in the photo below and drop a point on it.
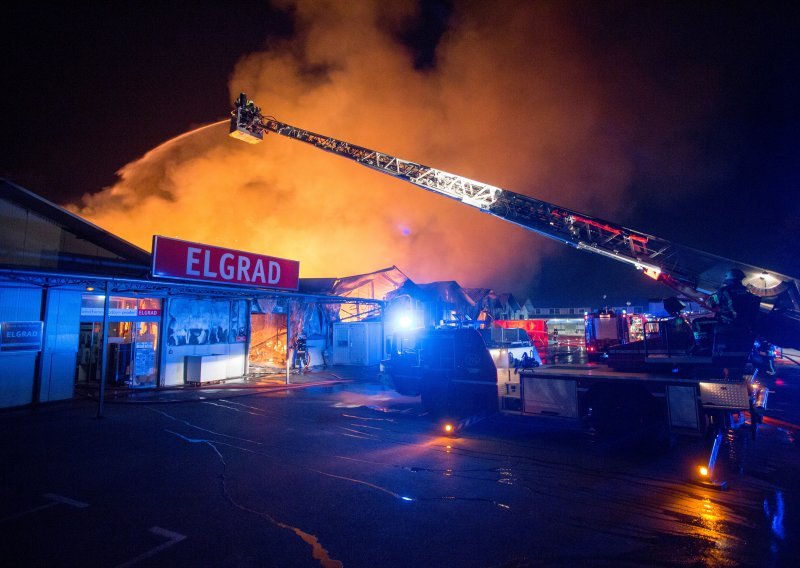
(173, 537)
(66, 500)
(54, 500)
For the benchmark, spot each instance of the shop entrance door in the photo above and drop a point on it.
(132, 354)
(90, 341)
(143, 357)
(120, 343)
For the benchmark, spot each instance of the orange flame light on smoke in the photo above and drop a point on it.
(538, 123)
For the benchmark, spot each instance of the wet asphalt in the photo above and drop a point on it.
(336, 469)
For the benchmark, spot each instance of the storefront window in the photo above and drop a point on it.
(204, 322)
(92, 306)
(149, 306)
(121, 306)
(239, 320)
(131, 345)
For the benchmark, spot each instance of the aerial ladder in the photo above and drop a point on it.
(691, 272)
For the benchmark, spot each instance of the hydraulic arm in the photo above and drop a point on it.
(689, 271)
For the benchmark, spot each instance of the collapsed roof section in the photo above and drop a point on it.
(378, 285)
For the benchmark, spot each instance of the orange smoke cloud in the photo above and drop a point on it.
(513, 101)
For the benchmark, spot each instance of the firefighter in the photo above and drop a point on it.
(300, 353)
(764, 354)
(736, 312)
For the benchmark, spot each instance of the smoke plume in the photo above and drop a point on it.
(518, 96)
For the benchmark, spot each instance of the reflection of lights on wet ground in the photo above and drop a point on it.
(709, 526)
(376, 401)
(712, 527)
(775, 515)
(710, 519)
(506, 477)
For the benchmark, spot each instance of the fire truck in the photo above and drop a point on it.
(671, 390)
(604, 329)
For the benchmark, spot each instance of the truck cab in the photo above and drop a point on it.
(451, 369)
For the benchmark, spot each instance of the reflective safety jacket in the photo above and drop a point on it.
(734, 304)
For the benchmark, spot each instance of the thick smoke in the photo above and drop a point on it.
(518, 97)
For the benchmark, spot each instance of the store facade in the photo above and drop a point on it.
(81, 308)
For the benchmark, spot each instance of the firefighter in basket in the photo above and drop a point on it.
(736, 311)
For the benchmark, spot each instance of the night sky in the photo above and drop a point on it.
(677, 119)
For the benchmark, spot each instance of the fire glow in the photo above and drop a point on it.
(283, 199)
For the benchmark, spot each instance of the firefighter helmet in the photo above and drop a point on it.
(734, 275)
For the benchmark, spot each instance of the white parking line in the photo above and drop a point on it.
(66, 500)
(54, 500)
(173, 537)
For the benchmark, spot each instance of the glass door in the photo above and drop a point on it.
(89, 344)
(144, 368)
(132, 354)
(120, 353)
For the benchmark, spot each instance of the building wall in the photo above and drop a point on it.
(17, 368)
(59, 356)
(359, 343)
(59, 350)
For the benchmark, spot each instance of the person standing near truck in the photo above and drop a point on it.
(736, 311)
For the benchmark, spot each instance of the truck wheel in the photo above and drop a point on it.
(431, 401)
(405, 386)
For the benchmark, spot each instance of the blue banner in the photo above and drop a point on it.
(21, 336)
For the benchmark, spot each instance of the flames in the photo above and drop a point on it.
(513, 100)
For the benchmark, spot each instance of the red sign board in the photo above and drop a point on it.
(173, 258)
(148, 312)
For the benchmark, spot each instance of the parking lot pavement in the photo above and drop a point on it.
(350, 471)
(235, 387)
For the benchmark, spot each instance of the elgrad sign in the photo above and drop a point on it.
(21, 335)
(173, 258)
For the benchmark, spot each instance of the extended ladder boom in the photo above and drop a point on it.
(689, 271)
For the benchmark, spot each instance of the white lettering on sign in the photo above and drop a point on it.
(232, 267)
(274, 272)
(207, 272)
(117, 312)
(225, 266)
(22, 334)
(148, 312)
(258, 273)
(244, 267)
(191, 260)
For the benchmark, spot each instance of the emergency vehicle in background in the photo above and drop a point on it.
(535, 328)
(606, 328)
(671, 391)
